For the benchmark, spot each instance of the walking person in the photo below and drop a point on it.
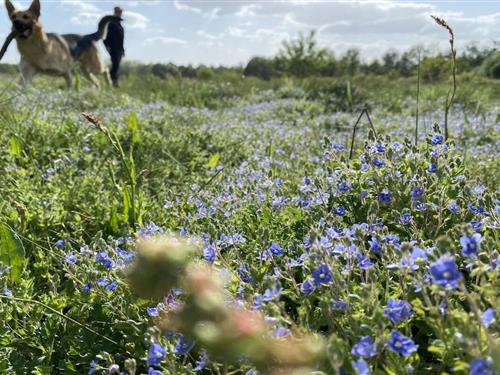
(114, 44)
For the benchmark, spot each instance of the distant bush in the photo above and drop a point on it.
(491, 66)
(164, 70)
(434, 68)
(262, 68)
(205, 73)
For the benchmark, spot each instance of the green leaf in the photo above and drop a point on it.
(213, 161)
(133, 127)
(12, 252)
(15, 146)
(127, 204)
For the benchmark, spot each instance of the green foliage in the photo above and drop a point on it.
(491, 66)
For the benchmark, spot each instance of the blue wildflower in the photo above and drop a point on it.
(398, 343)
(102, 282)
(322, 275)
(202, 361)
(375, 245)
(183, 346)
(307, 287)
(364, 348)
(152, 371)
(209, 254)
(345, 186)
(406, 218)
(339, 210)
(397, 310)
(153, 311)
(379, 163)
(112, 286)
(385, 197)
(244, 273)
(481, 366)
(272, 294)
(433, 168)
(87, 288)
(70, 258)
(340, 305)
(417, 193)
(281, 332)
(453, 207)
(477, 225)
(92, 368)
(437, 139)
(103, 258)
(470, 244)
(488, 317)
(445, 273)
(60, 244)
(276, 250)
(361, 367)
(365, 263)
(156, 354)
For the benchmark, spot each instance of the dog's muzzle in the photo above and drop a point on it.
(23, 30)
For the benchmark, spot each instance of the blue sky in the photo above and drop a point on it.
(230, 32)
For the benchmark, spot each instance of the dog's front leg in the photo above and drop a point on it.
(27, 73)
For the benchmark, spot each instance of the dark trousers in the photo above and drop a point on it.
(116, 58)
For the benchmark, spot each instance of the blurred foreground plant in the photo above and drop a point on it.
(224, 327)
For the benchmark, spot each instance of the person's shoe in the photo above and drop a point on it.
(115, 84)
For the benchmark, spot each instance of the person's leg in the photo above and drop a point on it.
(115, 66)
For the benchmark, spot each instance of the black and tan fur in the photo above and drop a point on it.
(54, 54)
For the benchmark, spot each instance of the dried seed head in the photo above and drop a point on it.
(441, 22)
(93, 119)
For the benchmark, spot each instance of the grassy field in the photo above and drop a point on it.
(387, 261)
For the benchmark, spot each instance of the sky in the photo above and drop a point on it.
(230, 32)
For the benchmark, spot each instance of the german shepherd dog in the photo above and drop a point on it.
(55, 54)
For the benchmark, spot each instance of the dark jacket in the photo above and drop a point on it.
(115, 36)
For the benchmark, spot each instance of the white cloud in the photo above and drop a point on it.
(163, 40)
(135, 20)
(83, 6)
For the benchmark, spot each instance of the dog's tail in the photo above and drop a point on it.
(86, 41)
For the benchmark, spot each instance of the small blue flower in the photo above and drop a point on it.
(340, 305)
(385, 197)
(245, 274)
(322, 275)
(209, 254)
(477, 225)
(406, 218)
(87, 288)
(112, 286)
(202, 361)
(379, 163)
(470, 244)
(481, 366)
(102, 282)
(417, 193)
(339, 210)
(437, 139)
(92, 368)
(453, 207)
(345, 186)
(398, 343)
(488, 317)
(361, 367)
(307, 287)
(152, 371)
(444, 272)
(183, 346)
(156, 354)
(60, 244)
(103, 258)
(397, 310)
(365, 263)
(70, 258)
(276, 250)
(433, 168)
(364, 348)
(153, 311)
(281, 332)
(375, 245)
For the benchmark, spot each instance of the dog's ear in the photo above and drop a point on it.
(35, 8)
(10, 7)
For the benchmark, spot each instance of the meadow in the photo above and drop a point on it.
(131, 239)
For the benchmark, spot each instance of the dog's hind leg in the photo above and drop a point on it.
(91, 77)
(107, 77)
